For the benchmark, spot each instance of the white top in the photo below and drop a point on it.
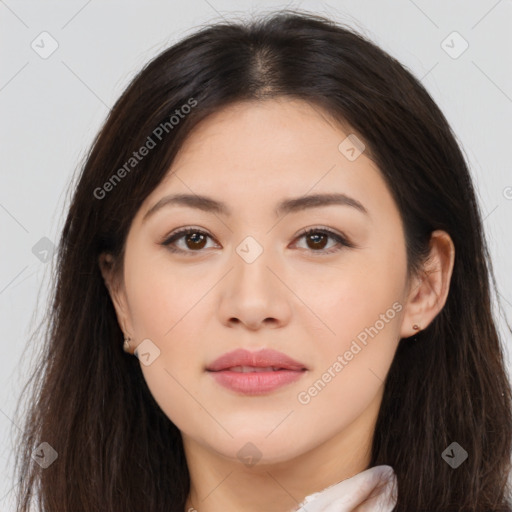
(373, 490)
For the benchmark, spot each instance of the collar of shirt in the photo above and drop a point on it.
(374, 490)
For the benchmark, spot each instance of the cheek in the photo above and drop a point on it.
(350, 366)
(360, 313)
(158, 297)
(361, 293)
(162, 303)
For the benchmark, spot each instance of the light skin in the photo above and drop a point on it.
(294, 297)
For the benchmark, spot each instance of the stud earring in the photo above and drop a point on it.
(126, 344)
(416, 327)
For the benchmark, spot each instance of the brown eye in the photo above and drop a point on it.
(317, 239)
(194, 239)
(197, 240)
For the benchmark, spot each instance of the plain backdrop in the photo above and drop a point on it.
(63, 65)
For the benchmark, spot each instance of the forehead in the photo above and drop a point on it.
(251, 155)
(281, 134)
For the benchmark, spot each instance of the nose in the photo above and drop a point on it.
(254, 293)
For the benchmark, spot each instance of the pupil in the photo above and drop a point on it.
(194, 243)
(316, 237)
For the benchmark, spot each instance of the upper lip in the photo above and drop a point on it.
(262, 358)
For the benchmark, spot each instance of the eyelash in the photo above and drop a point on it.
(309, 231)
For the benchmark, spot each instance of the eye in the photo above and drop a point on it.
(318, 238)
(195, 240)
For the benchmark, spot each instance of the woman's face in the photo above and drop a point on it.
(248, 278)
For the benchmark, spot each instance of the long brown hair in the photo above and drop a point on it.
(116, 449)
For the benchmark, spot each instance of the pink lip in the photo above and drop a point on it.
(262, 358)
(255, 383)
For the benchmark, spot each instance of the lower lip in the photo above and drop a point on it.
(256, 383)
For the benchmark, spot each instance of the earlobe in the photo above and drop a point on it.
(430, 291)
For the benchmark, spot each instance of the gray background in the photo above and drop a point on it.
(51, 108)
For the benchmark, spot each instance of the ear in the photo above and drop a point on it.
(116, 292)
(428, 292)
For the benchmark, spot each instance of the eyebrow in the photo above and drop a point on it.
(292, 205)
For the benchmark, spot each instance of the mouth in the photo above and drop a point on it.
(255, 373)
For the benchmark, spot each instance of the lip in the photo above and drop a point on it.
(255, 382)
(260, 359)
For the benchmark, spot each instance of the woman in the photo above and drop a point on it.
(277, 225)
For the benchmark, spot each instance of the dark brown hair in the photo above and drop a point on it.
(117, 450)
